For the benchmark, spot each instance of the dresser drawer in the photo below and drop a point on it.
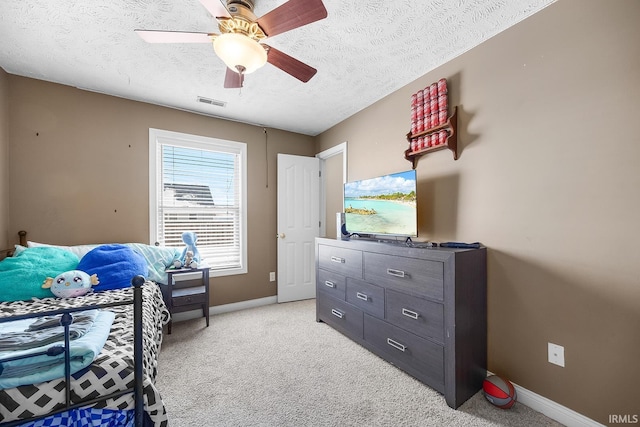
(418, 275)
(342, 316)
(347, 262)
(420, 316)
(188, 296)
(418, 356)
(368, 297)
(333, 284)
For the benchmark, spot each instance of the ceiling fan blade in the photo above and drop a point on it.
(290, 15)
(290, 65)
(233, 79)
(156, 36)
(217, 8)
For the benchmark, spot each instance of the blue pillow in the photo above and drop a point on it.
(114, 264)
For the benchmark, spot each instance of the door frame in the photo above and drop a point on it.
(324, 155)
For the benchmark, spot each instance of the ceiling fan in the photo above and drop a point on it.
(239, 43)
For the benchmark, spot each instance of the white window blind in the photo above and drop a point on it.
(199, 186)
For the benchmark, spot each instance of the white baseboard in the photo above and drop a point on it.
(225, 308)
(551, 409)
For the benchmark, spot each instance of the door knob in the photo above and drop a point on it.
(280, 236)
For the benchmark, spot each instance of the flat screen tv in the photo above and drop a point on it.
(385, 205)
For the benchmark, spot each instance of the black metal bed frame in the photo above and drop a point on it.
(65, 321)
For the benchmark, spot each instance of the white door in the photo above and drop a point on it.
(298, 226)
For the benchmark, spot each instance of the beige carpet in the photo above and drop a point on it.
(276, 366)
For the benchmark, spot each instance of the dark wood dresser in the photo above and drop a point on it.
(422, 309)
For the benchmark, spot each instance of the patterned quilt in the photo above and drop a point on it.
(111, 371)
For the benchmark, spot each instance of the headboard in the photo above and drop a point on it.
(9, 252)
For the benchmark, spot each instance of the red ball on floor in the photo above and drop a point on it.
(499, 391)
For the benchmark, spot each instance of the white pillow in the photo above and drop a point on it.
(18, 249)
(78, 250)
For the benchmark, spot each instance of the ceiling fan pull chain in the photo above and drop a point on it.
(241, 71)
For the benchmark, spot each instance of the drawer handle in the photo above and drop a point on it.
(363, 297)
(337, 313)
(330, 284)
(411, 314)
(396, 273)
(396, 344)
(337, 259)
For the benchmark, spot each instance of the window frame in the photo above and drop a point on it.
(158, 137)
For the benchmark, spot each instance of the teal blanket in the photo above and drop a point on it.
(37, 369)
(21, 277)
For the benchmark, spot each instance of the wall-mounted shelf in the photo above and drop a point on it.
(451, 141)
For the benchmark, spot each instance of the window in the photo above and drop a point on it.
(199, 184)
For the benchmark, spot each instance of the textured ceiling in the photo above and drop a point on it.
(363, 51)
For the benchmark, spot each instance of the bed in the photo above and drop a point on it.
(117, 386)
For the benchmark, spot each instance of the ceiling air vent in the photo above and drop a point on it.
(211, 101)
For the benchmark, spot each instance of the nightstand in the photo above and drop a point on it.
(187, 289)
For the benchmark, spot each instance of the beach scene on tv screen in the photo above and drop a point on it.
(382, 205)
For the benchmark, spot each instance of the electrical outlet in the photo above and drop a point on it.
(556, 354)
(272, 276)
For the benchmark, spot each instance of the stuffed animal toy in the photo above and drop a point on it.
(190, 256)
(73, 283)
(189, 261)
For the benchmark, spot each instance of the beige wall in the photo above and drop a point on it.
(548, 179)
(4, 162)
(79, 168)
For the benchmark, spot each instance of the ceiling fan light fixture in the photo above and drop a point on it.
(237, 50)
